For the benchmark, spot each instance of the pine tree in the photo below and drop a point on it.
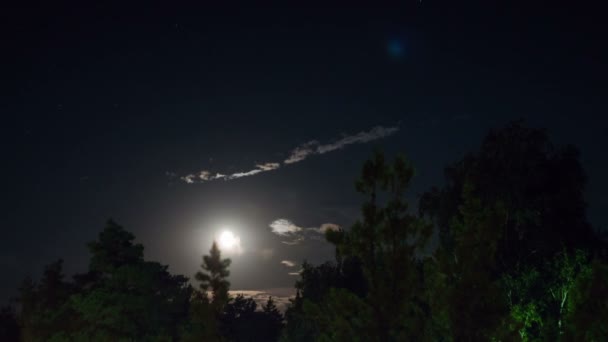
(214, 277)
(387, 242)
(271, 310)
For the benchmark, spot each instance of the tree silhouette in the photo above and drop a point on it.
(476, 304)
(242, 322)
(43, 304)
(120, 297)
(587, 305)
(9, 325)
(541, 187)
(274, 320)
(533, 192)
(386, 242)
(128, 297)
(114, 248)
(202, 323)
(213, 277)
(237, 319)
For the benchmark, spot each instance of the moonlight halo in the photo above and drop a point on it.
(228, 242)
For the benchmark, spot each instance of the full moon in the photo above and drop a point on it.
(229, 242)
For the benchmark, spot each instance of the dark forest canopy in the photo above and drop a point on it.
(516, 260)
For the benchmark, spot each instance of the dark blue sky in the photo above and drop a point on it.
(100, 103)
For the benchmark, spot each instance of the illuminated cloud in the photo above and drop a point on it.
(244, 174)
(314, 147)
(295, 241)
(328, 226)
(288, 263)
(296, 234)
(205, 175)
(302, 152)
(284, 227)
(268, 166)
(280, 296)
(189, 179)
(295, 273)
(298, 154)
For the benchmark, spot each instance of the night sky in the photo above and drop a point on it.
(159, 118)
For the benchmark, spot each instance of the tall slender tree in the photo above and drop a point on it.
(388, 241)
(214, 277)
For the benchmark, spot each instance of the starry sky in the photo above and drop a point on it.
(181, 122)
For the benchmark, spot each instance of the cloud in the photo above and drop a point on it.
(328, 226)
(284, 227)
(302, 152)
(314, 147)
(295, 273)
(294, 241)
(298, 154)
(280, 296)
(206, 176)
(288, 263)
(189, 179)
(244, 174)
(268, 166)
(287, 229)
(296, 234)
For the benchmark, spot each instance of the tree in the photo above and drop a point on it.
(214, 277)
(274, 320)
(541, 187)
(137, 301)
(316, 283)
(44, 308)
(201, 324)
(120, 297)
(300, 325)
(114, 248)
(9, 325)
(476, 303)
(242, 322)
(237, 322)
(587, 305)
(388, 243)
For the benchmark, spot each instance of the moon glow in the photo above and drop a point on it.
(228, 242)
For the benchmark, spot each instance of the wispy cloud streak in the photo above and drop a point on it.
(288, 263)
(205, 175)
(314, 147)
(294, 235)
(298, 154)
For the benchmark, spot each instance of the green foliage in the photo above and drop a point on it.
(137, 301)
(43, 304)
(476, 304)
(122, 297)
(202, 324)
(240, 321)
(342, 316)
(113, 249)
(540, 186)
(384, 244)
(301, 326)
(588, 305)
